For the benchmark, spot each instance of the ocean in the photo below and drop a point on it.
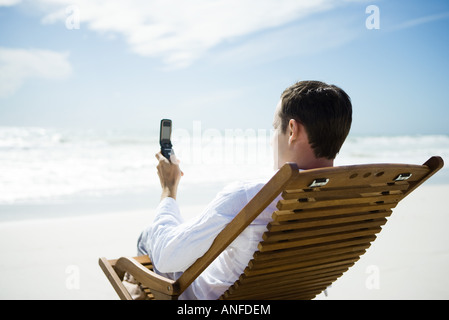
(42, 166)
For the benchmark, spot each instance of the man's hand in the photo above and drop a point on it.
(169, 174)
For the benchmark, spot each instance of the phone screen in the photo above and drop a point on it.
(165, 130)
(165, 135)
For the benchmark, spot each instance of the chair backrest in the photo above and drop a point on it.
(325, 221)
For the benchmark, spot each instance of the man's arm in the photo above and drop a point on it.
(175, 244)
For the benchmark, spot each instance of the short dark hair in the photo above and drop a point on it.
(324, 110)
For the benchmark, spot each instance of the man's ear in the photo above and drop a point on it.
(293, 130)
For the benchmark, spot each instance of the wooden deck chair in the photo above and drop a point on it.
(325, 221)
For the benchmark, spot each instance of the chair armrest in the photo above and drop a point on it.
(147, 277)
(108, 268)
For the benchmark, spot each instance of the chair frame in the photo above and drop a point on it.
(309, 262)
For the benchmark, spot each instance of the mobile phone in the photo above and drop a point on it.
(165, 138)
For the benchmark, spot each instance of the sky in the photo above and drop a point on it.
(128, 64)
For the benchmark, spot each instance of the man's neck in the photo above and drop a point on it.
(314, 163)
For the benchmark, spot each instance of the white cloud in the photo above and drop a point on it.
(180, 31)
(7, 3)
(19, 65)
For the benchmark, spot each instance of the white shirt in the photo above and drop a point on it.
(174, 244)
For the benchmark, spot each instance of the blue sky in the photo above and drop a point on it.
(224, 63)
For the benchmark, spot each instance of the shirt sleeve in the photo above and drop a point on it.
(176, 244)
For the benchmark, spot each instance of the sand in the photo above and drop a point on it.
(57, 258)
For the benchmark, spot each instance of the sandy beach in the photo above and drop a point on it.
(57, 258)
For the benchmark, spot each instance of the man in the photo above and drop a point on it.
(311, 122)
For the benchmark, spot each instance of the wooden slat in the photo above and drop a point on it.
(276, 295)
(358, 175)
(284, 283)
(315, 268)
(347, 191)
(316, 255)
(261, 268)
(275, 226)
(290, 215)
(332, 230)
(144, 259)
(267, 246)
(321, 248)
(304, 264)
(281, 290)
(149, 295)
(311, 272)
(292, 275)
(294, 204)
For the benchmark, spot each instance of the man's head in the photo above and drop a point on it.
(312, 120)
